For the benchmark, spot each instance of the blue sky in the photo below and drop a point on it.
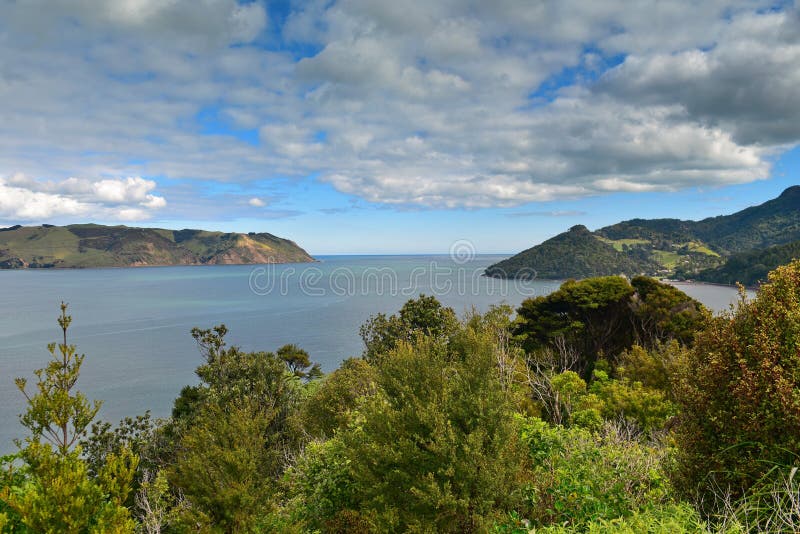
(362, 126)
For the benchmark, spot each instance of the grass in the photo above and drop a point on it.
(48, 245)
(701, 248)
(666, 258)
(618, 243)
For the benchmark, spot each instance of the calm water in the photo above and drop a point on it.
(133, 324)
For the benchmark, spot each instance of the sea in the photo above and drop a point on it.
(133, 324)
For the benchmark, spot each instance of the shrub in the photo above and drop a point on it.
(581, 476)
(740, 393)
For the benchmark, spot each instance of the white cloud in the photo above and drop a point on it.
(419, 102)
(128, 199)
(256, 202)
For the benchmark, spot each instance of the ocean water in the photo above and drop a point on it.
(133, 324)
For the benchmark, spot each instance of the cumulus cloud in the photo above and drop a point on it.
(126, 199)
(434, 104)
(256, 202)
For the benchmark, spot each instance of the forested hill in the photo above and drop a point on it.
(774, 222)
(665, 247)
(573, 254)
(751, 268)
(92, 245)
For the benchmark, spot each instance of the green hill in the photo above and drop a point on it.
(751, 268)
(574, 254)
(92, 245)
(668, 247)
(774, 222)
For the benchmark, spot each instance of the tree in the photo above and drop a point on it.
(739, 391)
(592, 315)
(334, 404)
(236, 431)
(423, 315)
(55, 491)
(54, 412)
(436, 448)
(225, 466)
(663, 312)
(298, 362)
(601, 317)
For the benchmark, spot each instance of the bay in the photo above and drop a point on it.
(133, 324)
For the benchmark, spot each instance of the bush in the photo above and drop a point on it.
(436, 448)
(740, 393)
(581, 476)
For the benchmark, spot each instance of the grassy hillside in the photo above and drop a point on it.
(774, 222)
(671, 247)
(91, 245)
(574, 254)
(751, 268)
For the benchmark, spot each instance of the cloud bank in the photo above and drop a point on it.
(431, 104)
(128, 199)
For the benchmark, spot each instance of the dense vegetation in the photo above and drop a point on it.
(607, 406)
(573, 254)
(92, 245)
(666, 247)
(751, 268)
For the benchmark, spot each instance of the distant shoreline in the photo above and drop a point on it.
(163, 266)
(700, 283)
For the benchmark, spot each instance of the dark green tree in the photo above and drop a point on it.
(663, 312)
(424, 315)
(235, 432)
(592, 316)
(299, 362)
(436, 448)
(601, 317)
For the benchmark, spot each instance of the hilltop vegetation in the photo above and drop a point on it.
(92, 245)
(751, 268)
(607, 406)
(577, 252)
(665, 247)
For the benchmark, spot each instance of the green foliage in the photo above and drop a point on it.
(92, 245)
(157, 509)
(752, 267)
(332, 406)
(421, 316)
(59, 496)
(647, 408)
(321, 486)
(668, 519)
(572, 403)
(54, 490)
(592, 316)
(573, 254)
(436, 449)
(235, 431)
(601, 317)
(224, 466)
(740, 392)
(653, 368)
(134, 434)
(580, 476)
(54, 412)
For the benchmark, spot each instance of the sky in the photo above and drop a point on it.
(387, 127)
